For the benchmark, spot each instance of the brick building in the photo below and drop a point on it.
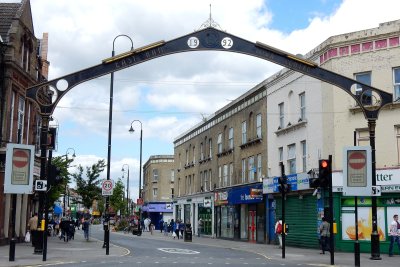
(23, 63)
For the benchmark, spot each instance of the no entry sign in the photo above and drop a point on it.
(357, 160)
(357, 171)
(20, 158)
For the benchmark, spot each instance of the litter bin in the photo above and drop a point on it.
(37, 241)
(187, 236)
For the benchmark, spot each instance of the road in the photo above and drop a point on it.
(147, 251)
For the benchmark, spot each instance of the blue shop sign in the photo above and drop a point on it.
(299, 181)
(244, 195)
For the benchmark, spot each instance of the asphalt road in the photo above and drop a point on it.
(145, 251)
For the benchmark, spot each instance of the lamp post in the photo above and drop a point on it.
(131, 130)
(127, 188)
(66, 185)
(107, 228)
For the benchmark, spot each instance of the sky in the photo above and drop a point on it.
(169, 95)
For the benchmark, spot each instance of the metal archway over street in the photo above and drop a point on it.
(48, 94)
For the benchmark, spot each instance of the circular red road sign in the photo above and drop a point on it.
(20, 158)
(107, 185)
(357, 160)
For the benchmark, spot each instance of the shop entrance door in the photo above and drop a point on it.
(252, 226)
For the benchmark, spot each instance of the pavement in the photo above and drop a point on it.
(69, 252)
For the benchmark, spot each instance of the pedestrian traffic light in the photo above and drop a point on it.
(314, 183)
(325, 172)
(54, 175)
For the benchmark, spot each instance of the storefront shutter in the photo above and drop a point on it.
(301, 216)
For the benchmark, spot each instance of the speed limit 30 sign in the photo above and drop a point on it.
(107, 187)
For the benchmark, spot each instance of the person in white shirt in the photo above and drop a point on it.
(394, 234)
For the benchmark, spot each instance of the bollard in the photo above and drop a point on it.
(12, 250)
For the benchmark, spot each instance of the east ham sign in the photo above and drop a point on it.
(48, 94)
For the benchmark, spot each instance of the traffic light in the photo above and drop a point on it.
(315, 183)
(283, 184)
(325, 171)
(54, 175)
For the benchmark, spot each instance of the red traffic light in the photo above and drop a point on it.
(324, 163)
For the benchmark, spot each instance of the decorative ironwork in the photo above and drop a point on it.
(210, 23)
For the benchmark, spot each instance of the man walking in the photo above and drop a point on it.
(324, 230)
(33, 224)
(394, 234)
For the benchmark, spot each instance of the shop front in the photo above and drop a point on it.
(240, 213)
(157, 211)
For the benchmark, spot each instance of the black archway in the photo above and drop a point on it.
(48, 94)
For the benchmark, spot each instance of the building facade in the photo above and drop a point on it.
(23, 63)
(223, 159)
(309, 120)
(220, 165)
(158, 188)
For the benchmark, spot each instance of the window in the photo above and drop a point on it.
(230, 174)
(292, 158)
(187, 157)
(280, 153)
(21, 116)
(366, 79)
(396, 84)
(304, 155)
(219, 143)
(281, 116)
(194, 156)
(172, 193)
(37, 134)
(259, 167)
(225, 175)
(155, 191)
(230, 137)
(172, 176)
(362, 137)
(302, 100)
(205, 181)
(189, 185)
(155, 175)
(12, 117)
(258, 125)
(243, 171)
(210, 179)
(210, 148)
(244, 133)
(397, 129)
(251, 169)
(219, 176)
(201, 151)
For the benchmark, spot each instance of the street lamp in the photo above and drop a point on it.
(106, 229)
(127, 188)
(131, 130)
(66, 185)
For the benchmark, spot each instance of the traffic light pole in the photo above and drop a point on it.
(332, 237)
(283, 210)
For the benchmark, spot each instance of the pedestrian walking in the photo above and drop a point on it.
(32, 225)
(181, 228)
(165, 227)
(324, 230)
(279, 231)
(85, 228)
(176, 228)
(161, 225)
(394, 234)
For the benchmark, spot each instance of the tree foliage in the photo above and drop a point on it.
(89, 187)
(117, 201)
(63, 163)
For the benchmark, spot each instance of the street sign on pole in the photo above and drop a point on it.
(41, 185)
(107, 187)
(357, 171)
